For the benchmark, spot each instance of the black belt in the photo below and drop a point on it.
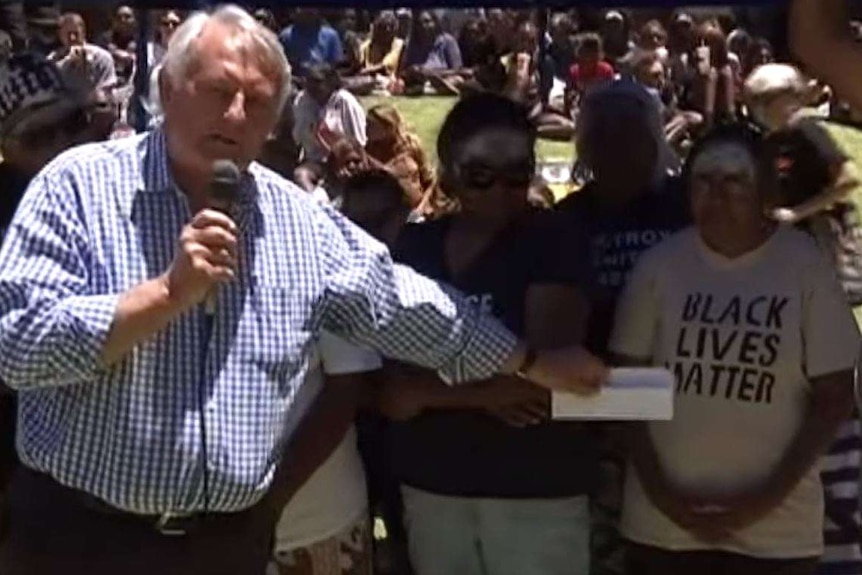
(171, 524)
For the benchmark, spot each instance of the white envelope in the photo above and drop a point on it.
(631, 394)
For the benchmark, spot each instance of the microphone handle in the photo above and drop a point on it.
(210, 302)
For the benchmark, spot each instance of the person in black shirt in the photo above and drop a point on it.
(632, 202)
(490, 485)
(39, 118)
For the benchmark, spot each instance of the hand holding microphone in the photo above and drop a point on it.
(207, 251)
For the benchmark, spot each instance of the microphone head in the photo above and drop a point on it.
(224, 185)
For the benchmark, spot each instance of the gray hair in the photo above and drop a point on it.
(181, 48)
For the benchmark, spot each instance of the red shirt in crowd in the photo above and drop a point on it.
(582, 76)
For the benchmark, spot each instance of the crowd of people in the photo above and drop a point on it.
(259, 389)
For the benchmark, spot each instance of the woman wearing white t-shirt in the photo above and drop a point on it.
(750, 318)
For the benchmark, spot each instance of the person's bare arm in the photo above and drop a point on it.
(845, 180)
(821, 37)
(318, 435)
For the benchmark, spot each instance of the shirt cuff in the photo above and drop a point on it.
(88, 321)
(486, 352)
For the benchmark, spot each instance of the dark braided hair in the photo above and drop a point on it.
(474, 114)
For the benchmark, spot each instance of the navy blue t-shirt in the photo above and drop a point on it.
(615, 237)
(467, 452)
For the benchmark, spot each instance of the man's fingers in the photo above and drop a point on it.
(215, 238)
(210, 217)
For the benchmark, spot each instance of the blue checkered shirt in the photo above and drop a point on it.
(104, 217)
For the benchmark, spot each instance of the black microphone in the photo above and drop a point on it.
(224, 185)
(224, 192)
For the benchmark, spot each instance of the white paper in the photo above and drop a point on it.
(631, 394)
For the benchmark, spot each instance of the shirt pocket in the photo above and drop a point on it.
(276, 332)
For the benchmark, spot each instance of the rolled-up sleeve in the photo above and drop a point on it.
(51, 329)
(371, 300)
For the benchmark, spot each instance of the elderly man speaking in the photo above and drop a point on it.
(158, 344)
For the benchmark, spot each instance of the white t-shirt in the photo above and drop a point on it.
(334, 497)
(744, 337)
(342, 114)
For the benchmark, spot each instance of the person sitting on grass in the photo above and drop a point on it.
(431, 59)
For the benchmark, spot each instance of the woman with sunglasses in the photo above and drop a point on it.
(490, 485)
(748, 315)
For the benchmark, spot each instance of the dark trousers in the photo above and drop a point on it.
(645, 560)
(8, 457)
(53, 530)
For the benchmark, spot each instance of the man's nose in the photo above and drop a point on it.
(236, 110)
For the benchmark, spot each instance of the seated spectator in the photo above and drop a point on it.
(731, 485)
(82, 64)
(309, 41)
(378, 57)
(523, 85)
(394, 147)
(405, 22)
(430, 57)
(324, 112)
(653, 38)
(351, 40)
(616, 36)
(281, 153)
(758, 53)
(121, 43)
(559, 59)
(501, 27)
(712, 89)
(590, 68)
(42, 23)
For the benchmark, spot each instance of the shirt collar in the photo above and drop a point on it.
(154, 174)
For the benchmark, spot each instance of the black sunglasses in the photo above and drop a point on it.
(482, 176)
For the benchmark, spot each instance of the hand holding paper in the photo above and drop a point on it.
(631, 394)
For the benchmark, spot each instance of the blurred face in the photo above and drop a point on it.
(319, 89)
(386, 28)
(377, 130)
(492, 173)
(347, 160)
(169, 22)
(72, 32)
(652, 75)
(125, 19)
(348, 21)
(653, 38)
(526, 39)
(618, 145)
(725, 202)
(224, 105)
(427, 25)
(774, 111)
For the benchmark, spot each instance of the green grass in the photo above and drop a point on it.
(425, 116)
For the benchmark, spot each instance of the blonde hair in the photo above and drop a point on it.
(405, 139)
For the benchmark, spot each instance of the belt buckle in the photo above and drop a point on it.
(175, 524)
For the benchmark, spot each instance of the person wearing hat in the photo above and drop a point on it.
(39, 118)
